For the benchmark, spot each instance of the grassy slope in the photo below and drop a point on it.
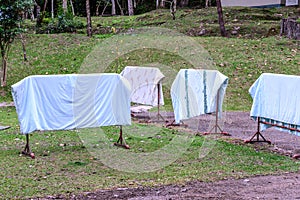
(240, 58)
(60, 169)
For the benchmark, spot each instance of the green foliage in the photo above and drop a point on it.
(10, 25)
(65, 23)
(10, 18)
(201, 3)
(104, 36)
(146, 6)
(240, 58)
(47, 20)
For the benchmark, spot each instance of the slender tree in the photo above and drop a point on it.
(65, 6)
(11, 12)
(23, 42)
(207, 3)
(221, 20)
(162, 3)
(52, 9)
(130, 8)
(157, 4)
(184, 3)
(39, 15)
(88, 19)
(107, 3)
(120, 7)
(98, 4)
(113, 7)
(72, 7)
(173, 8)
(45, 6)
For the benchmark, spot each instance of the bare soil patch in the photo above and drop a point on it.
(284, 186)
(241, 127)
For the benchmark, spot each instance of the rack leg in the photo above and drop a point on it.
(121, 142)
(296, 156)
(26, 150)
(216, 126)
(174, 124)
(257, 135)
(158, 104)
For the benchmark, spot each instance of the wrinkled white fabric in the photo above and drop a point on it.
(145, 83)
(276, 98)
(194, 92)
(61, 102)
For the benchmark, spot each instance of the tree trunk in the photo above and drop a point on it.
(72, 7)
(290, 28)
(65, 5)
(39, 17)
(207, 3)
(113, 7)
(184, 3)
(4, 69)
(32, 18)
(52, 9)
(221, 20)
(88, 19)
(162, 3)
(120, 7)
(97, 8)
(130, 8)
(45, 6)
(23, 45)
(38, 10)
(173, 8)
(102, 13)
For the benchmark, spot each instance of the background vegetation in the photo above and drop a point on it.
(254, 47)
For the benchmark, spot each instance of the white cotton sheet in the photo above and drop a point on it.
(194, 92)
(62, 102)
(276, 97)
(145, 83)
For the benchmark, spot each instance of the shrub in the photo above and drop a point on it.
(65, 23)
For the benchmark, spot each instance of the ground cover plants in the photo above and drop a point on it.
(64, 165)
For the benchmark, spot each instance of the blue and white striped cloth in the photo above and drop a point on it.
(194, 92)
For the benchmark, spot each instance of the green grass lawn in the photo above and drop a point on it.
(65, 163)
(242, 60)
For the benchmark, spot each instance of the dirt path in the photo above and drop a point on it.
(241, 127)
(262, 187)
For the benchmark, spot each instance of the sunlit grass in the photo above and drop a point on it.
(64, 165)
